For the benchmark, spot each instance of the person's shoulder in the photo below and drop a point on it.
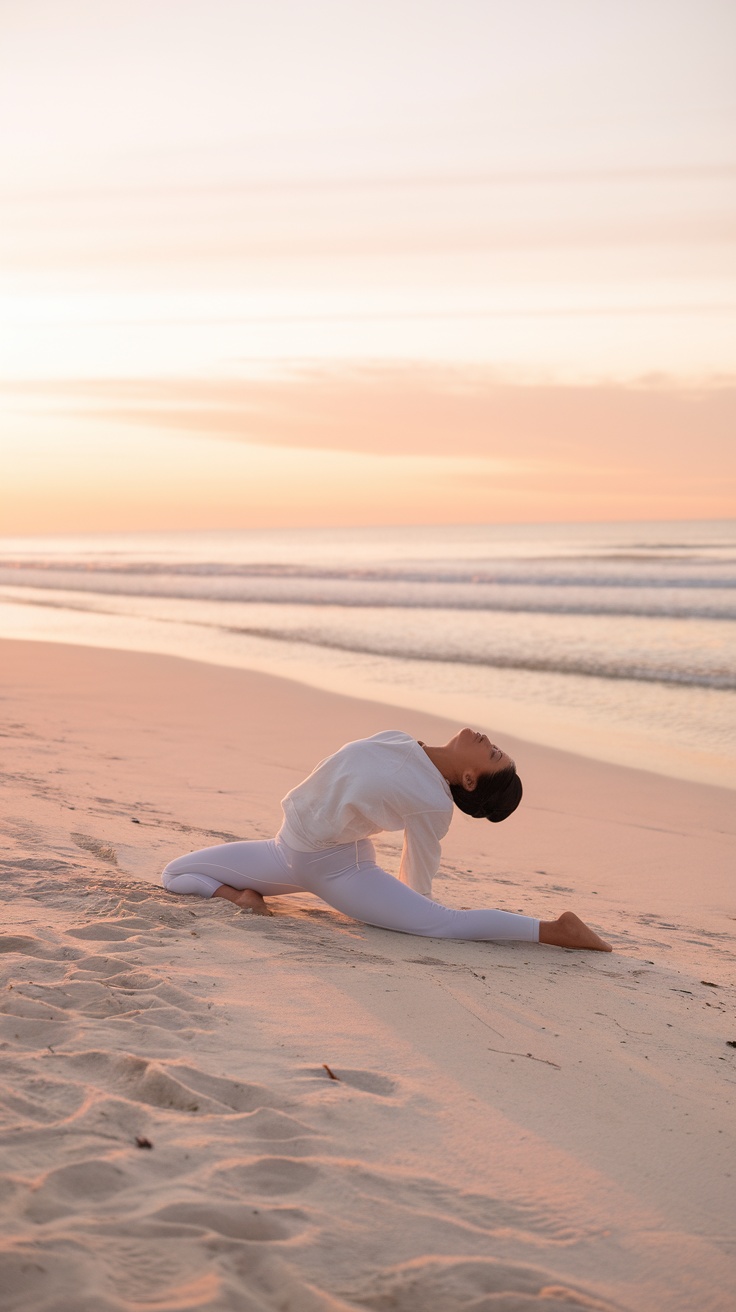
(373, 747)
(390, 735)
(390, 738)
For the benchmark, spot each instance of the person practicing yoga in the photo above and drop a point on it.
(388, 782)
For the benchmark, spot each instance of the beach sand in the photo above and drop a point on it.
(511, 1127)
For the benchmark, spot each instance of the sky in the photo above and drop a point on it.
(365, 261)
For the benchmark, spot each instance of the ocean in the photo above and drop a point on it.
(617, 641)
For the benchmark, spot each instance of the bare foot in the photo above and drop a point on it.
(251, 901)
(247, 898)
(569, 931)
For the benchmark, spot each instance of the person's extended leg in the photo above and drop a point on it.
(359, 888)
(241, 872)
(349, 880)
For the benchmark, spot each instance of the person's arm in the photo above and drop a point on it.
(420, 858)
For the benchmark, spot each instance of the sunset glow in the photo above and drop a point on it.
(327, 263)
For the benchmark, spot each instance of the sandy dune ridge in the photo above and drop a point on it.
(510, 1128)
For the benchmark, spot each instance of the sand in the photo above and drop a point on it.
(511, 1127)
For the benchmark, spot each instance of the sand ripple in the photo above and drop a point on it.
(246, 1184)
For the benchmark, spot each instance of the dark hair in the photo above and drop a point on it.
(494, 797)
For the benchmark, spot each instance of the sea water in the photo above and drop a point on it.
(614, 640)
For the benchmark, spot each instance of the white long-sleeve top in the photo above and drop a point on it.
(386, 782)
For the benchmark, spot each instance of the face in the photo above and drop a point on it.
(477, 755)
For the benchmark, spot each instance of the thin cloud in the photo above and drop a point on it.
(672, 431)
(647, 176)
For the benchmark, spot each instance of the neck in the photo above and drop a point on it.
(444, 762)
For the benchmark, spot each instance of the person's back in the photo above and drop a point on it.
(368, 786)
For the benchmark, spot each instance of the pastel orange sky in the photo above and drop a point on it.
(365, 263)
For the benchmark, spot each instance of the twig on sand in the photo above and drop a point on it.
(530, 1055)
(622, 1027)
(331, 1074)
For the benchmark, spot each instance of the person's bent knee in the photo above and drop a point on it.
(171, 875)
(181, 865)
(167, 874)
(188, 882)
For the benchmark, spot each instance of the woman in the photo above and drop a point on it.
(387, 782)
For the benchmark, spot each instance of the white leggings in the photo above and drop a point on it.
(346, 877)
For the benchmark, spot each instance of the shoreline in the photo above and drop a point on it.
(340, 671)
(506, 1119)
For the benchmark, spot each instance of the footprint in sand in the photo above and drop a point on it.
(73, 1187)
(30, 1280)
(457, 1284)
(30, 863)
(267, 1175)
(28, 946)
(97, 847)
(157, 1084)
(234, 1095)
(233, 1220)
(184, 1088)
(100, 931)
